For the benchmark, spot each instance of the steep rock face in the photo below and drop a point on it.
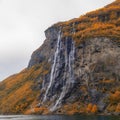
(84, 62)
(86, 66)
(43, 53)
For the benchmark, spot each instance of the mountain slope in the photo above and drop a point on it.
(76, 70)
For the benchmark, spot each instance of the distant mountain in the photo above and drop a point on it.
(76, 70)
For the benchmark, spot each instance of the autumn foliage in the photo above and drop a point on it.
(114, 100)
(118, 108)
(104, 22)
(18, 92)
(78, 107)
(92, 108)
(115, 97)
(74, 108)
(37, 110)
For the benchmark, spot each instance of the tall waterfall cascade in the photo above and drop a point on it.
(65, 53)
(53, 70)
(69, 65)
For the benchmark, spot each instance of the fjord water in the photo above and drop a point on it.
(57, 117)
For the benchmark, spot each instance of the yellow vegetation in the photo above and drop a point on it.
(114, 105)
(74, 108)
(115, 97)
(92, 108)
(100, 23)
(89, 107)
(18, 93)
(118, 108)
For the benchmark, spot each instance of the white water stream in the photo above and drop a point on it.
(53, 70)
(69, 61)
(69, 68)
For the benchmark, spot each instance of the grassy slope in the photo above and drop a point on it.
(19, 92)
(104, 22)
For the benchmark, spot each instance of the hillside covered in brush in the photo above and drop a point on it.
(76, 70)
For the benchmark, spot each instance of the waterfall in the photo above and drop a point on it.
(66, 56)
(69, 63)
(53, 70)
(66, 49)
(73, 31)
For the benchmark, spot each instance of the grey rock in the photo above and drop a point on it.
(94, 60)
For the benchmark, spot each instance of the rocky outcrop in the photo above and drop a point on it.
(86, 66)
(45, 51)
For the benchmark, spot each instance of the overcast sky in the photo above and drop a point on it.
(22, 26)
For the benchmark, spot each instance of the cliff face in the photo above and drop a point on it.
(76, 70)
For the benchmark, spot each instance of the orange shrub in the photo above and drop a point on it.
(94, 109)
(115, 97)
(118, 108)
(41, 110)
(91, 108)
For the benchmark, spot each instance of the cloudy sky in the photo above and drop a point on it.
(22, 26)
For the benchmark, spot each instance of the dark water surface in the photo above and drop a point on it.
(57, 117)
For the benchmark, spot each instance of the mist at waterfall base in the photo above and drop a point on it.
(57, 117)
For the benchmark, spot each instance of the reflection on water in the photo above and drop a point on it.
(57, 117)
